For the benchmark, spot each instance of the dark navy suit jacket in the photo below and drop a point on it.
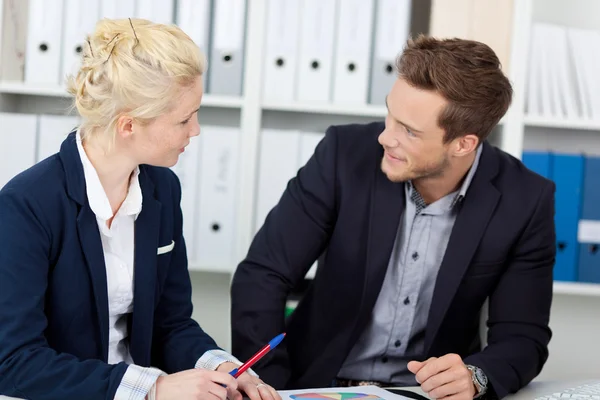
(502, 248)
(53, 289)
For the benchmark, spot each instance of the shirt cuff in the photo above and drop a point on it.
(137, 383)
(213, 358)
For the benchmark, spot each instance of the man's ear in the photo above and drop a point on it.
(465, 145)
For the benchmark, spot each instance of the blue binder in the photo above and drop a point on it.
(589, 249)
(567, 174)
(539, 162)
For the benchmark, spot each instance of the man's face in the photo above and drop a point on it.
(413, 142)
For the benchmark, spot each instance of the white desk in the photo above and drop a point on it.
(533, 390)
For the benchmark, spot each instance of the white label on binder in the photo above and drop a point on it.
(589, 231)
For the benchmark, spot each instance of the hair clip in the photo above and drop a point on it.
(134, 34)
(113, 48)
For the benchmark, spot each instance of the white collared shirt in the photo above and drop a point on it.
(118, 248)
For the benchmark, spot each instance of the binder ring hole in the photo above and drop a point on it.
(351, 67)
(43, 47)
(227, 57)
(314, 64)
(562, 245)
(389, 69)
(78, 49)
(594, 248)
(280, 62)
(215, 227)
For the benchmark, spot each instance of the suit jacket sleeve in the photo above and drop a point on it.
(519, 307)
(29, 368)
(178, 340)
(293, 236)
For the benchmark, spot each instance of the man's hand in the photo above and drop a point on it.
(445, 378)
(195, 384)
(253, 387)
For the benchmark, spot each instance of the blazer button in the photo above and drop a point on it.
(415, 256)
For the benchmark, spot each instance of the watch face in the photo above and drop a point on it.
(480, 377)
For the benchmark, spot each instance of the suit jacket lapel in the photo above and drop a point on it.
(91, 244)
(147, 228)
(477, 209)
(89, 235)
(387, 205)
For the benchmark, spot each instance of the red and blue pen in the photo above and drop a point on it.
(270, 346)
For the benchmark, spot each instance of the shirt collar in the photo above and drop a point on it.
(461, 193)
(469, 178)
(96, 195)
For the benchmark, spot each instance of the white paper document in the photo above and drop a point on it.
(341, 393)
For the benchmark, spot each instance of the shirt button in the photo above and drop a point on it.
(384, 359)
(397, 343)
(415, 256)
(406, 301)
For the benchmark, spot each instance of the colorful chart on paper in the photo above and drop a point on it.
(335, 396)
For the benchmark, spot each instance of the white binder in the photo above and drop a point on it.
(52, 131)
(281, 50)
(17, 144)
(352, 56)
(227, 54)
(279, 154)
(44, 39)
(13, 39)
(117, 9)
(217, 201)
(187, 170)
(193, 17)
(315, 53)
(391, 32)
(79, 20)
(158, 11)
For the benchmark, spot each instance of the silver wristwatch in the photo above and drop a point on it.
(479, 380)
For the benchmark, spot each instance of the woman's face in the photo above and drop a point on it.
(162, 141)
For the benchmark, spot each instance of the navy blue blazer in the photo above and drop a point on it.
(502, 247)
(53, 290)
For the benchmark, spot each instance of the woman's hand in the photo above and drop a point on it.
(252, 386)
(197, 384)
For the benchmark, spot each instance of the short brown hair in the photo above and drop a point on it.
(467, 74)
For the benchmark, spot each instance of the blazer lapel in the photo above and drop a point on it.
(387, 205)
(477, 209)
(147, 228)
(91, 244)
(89, 235)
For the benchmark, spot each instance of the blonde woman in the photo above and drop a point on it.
(95, 296)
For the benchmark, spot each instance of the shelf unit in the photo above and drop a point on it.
(18, 88)
(577, 289)
(251, 108)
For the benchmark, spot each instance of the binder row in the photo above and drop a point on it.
(563, 81)
(207, 170)
(282, 154)
(333, 51)
(577, 212)
(41, 41)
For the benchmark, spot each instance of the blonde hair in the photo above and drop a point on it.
(131, 66)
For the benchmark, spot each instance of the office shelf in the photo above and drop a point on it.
(577, 288)
(561, 123)
(20, 88)
(366, 110)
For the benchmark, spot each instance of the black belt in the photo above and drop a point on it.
(340, 382)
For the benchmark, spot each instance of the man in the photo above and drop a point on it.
(419, 222)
